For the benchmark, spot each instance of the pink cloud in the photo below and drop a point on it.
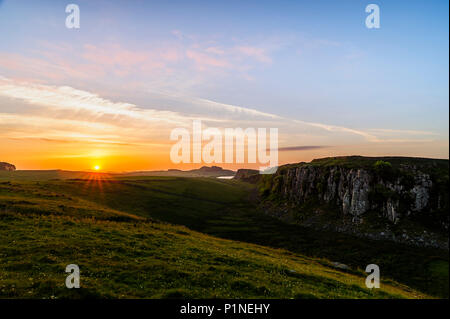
(204, 60)
(255, 52)
(215, 50)
(124, 61)
(113, 55)
(57, 69)
(63, 61)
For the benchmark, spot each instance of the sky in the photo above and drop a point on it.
(110, 92)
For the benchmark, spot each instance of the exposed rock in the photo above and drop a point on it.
(418, 191)
(391, 210)
(351, 190)
(359, 185)
(421, 191)
(7, 167)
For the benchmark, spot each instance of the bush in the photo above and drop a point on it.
(380, 194)
(384, 170)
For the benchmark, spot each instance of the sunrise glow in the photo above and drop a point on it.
(69, 98)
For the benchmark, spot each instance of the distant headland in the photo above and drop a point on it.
(7, 167)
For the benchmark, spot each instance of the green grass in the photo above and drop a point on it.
(154, 260)
(231, 250)
(43, 175)
(368, 162)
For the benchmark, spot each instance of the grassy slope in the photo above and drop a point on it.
(152, 260)
(104, 227)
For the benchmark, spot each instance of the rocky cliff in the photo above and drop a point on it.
(7, 167)
(358, 188)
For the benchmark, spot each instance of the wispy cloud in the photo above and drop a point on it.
(77, 101)
(63, 112)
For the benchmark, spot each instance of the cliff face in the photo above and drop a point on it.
(7, 167)
(356, 191)
(395, 189)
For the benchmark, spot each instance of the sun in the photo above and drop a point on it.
(97, 167)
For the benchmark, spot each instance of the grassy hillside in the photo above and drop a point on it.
(153, 260)
(109, 228)
(44, 175)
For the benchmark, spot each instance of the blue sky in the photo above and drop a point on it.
(310, 61)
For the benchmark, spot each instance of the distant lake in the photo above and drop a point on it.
(225, 177)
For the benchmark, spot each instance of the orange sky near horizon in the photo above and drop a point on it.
(41, 155)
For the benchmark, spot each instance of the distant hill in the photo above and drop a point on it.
(205, 171)
(35, 175)
(7, 167)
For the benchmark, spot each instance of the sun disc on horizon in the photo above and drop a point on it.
(97, 167)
